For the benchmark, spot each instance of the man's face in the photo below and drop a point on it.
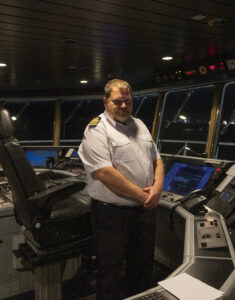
(119, 104)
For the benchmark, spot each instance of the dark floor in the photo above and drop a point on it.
(83, 288)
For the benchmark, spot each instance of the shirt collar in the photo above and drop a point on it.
(115, 123)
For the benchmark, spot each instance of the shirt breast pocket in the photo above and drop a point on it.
(147, 145)
(122, 151)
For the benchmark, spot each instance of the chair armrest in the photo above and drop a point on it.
(54, 194)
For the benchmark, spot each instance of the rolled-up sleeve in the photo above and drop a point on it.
(94, 151)
(157, 154)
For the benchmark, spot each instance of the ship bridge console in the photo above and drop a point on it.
(196, 224)
(195, 220)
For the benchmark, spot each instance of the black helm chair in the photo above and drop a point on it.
(51, 216)
(57, 224)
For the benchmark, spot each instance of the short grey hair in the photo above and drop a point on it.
(119, 83)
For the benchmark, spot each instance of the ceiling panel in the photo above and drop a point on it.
(50, 45)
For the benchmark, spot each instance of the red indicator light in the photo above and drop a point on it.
(221, 65)
(212, 67)
(188, 72)
(218, 169)
(211, 51)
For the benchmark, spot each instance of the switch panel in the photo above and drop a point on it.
(170, 197)
(210, 234)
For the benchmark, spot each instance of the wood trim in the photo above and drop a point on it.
(57, 123)
(213, 119)
(157, 114)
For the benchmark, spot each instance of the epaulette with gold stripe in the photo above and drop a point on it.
(94, 122)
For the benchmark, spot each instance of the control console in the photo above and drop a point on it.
(224, 200)
(171, 197)
(184, 177)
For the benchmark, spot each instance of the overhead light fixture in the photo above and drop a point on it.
(83, 81)
(167, 58)
(13, 118)
(198, 17)
(182, 117)
(2, 65)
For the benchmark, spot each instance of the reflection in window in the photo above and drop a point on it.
(144, 107)
(75, 115)
(33, 121)
(226, 126)
(184, 122)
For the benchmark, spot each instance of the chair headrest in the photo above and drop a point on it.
(6, 125)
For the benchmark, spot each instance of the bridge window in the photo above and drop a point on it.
(144, 108)
(33, 121)
(225, 135)
(184, 121)
(76, 114)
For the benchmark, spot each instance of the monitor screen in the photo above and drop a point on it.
(183, 178)
(38, 157)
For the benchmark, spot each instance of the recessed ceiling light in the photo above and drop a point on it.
(83, 81)
(167, 58)
(14, 118)
(2, 65)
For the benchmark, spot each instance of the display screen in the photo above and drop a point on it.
(183, 178)
(38, 157)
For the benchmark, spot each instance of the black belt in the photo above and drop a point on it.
(138, 208)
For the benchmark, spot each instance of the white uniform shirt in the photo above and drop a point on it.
(128, 148)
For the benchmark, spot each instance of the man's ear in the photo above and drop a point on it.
(105, 100)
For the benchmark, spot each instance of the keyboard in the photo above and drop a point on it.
(152, 296)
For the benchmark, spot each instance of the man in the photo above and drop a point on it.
(125, 178)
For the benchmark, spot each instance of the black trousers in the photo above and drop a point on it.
(123, 236)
